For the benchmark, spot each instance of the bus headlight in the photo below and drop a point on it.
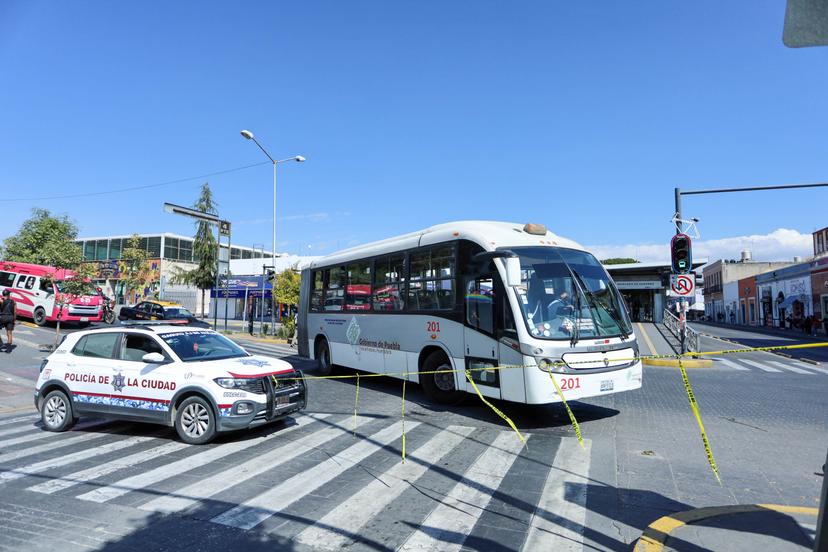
(548, 365)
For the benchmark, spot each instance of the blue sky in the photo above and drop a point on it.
(583, 116)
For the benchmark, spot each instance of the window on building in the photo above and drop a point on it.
(247, 254)
(101, 250)
(115, 248)
(185, 250)
(154, 247)
(171, 248)
(89, 250)
(235, 253)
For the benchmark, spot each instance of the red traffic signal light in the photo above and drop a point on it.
(681, 254)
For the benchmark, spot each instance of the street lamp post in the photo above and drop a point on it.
(299, 159)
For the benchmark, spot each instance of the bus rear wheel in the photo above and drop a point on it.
(323, 357)
(439, 387)
(39, 316)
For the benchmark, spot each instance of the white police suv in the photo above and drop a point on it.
(194, 379)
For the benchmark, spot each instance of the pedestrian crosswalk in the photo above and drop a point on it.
(321, 480)
(764, 364)
(268, 349)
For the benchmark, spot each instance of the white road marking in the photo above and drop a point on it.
(732, 364)
(331, 532)
(102, 470)
(49, 446)
(21, 429)
(259, 508)
(31, 417)
(560, 516)
(145, 479)
(759, 365)
(41, 433)
(38, 467)
(464, 504)
(211, 486)
(790, 366)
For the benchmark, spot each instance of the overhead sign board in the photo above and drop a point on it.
(683, 285)
(224, 228)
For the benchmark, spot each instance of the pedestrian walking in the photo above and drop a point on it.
(8, 314)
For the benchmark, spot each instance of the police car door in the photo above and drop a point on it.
(89, 370)
(148, 387)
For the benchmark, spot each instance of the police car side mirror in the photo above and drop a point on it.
(154, 358)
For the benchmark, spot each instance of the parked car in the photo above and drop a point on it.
(194, 380)
(161, 310)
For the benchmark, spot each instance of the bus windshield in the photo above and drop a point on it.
(567, 294)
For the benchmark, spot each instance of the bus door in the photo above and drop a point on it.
(480, 328)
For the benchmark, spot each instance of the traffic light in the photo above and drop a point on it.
(271, 276)
(681, 254)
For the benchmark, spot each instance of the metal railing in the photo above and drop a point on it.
(673, 323)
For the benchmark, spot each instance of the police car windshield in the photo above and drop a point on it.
(192, 346)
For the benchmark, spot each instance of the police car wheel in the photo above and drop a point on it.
(439, 387)
(195, 421)
(56, 412)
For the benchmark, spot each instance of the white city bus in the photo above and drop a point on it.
(472, 294)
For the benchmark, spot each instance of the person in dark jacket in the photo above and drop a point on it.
(8, 314)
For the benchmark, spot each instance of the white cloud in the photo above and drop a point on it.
(780, 245)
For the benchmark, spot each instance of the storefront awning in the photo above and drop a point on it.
(790, 300)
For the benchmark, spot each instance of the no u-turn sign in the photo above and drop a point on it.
(682, 285)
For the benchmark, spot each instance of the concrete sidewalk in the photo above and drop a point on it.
(775, 332)
(741, 528)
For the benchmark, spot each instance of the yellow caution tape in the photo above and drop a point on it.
(494, 408)
(695, 408)
(356, 402)
(403, 422)
(572, 419)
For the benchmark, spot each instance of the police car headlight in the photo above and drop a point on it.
(229, 383)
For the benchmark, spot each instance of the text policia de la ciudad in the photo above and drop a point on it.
(128, 382)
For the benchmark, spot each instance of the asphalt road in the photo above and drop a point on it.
(773, 338)
(328, 480)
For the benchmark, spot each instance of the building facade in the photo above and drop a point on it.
(747, 314)
(167, 255)
(721, 291)
(785, 296)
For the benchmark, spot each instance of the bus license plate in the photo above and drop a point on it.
(607, 385)
(283, 400)
(84, 319)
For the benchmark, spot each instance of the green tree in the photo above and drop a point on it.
(135, 273)
(619, 260)
(44, 239)
(204, 248)
(286, 287)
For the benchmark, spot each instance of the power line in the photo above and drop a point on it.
(134, 188)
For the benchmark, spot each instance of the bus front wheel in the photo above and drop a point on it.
(323, 357)
(439, 387)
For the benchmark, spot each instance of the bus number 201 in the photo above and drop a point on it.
(432, 326)
(570, 383)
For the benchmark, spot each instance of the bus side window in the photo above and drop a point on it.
(30, 282)
(21, 281)
(6, 279)
(46, 286)
(318, 291)
(335, 292)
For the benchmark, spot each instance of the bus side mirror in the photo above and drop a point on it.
(512, 271)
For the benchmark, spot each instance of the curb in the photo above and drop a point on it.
(673, 363)
(657, 533)
(263, 340)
